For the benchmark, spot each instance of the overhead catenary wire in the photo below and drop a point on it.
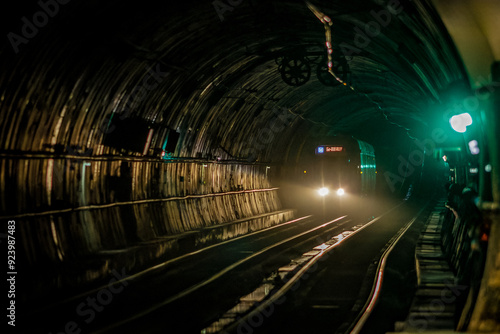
(327, 23)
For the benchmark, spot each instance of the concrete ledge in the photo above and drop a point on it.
(95, 268)
(149, 253)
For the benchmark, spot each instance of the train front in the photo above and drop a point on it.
(333, 174)
(330, 172)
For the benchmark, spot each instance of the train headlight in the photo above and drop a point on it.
(323, 191)
(340, 192)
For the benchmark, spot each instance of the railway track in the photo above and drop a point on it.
(221, 287)
(256, 254)
(255, 312)
(168, 284)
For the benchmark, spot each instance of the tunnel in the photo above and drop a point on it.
(137, 133)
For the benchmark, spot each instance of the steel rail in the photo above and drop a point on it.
(372, 300)
(273, 297)
(218, 275)
(163, 264)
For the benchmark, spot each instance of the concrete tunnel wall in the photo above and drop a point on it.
(58, 98)
(114, 212)
(58, 163)
(82, 244)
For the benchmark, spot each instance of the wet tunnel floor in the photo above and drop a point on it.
(323, 301)
(330, 298)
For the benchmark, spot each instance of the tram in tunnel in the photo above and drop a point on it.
(341, 166)
(329, 168)
(134, 136)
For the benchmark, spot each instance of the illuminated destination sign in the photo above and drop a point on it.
(333, 148)
(328, 149)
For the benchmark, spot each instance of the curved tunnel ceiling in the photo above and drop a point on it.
(227, 81)
(210, 71)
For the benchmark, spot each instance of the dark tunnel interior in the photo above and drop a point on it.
(126, 126)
